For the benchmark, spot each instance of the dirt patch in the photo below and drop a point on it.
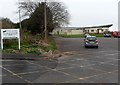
(57, 54)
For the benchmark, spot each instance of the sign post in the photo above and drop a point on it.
(10, 34)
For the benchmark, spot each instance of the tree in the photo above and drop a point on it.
(36, 21)
(57, 15)
(6, 23)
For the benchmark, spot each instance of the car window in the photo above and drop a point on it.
(91, 38)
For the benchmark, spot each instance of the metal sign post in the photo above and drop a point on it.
(10, 34)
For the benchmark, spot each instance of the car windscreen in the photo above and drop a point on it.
(91, 38)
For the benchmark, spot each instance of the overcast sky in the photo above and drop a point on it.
(83, 12)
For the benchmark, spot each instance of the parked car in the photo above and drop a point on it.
(50, 34)
(86, 35)
(107, 35)
(91, 41)
(116, 34)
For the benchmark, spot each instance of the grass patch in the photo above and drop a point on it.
(80, 36)
(50, 47)
(29, 48)
(25, 49)
(30, 44)
(72, 36)
(97, 35)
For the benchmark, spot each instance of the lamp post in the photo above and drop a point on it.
(45, 17)
(19, 16)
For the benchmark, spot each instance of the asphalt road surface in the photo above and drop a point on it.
(77, 44)
(91, 65)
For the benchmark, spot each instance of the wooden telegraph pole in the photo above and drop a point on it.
(45, 15)
(19, 17)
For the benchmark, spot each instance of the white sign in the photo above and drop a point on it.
(10, 34)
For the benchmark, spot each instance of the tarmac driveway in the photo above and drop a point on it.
(86, 66)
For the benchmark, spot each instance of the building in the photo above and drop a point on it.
(68, 30)
(82, 30)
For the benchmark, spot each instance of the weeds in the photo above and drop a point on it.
(30, 44)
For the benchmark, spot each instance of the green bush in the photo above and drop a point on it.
(30, 44)
(30, 49)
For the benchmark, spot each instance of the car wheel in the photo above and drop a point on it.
(85, 46)
(96, 46)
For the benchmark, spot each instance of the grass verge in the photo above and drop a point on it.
(80, 36)
(30, 44)
(72, 36)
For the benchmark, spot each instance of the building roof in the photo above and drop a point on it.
(69, 28)
(101, 26)
(78, 28)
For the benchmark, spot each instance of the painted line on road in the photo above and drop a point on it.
(57, 71)
(14, 74)
(27, 73)
(90, 65)
(10, 60)
(84, 78)
(13, 65)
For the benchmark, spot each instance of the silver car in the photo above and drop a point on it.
(91, 41)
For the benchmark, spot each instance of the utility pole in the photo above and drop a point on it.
(45, 15)
(19, 17)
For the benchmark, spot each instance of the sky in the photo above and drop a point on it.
(82, 12)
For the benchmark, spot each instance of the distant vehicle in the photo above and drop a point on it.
(91, 41)
(116, 34)
(50, 34)
(107, 35)
(86, 35)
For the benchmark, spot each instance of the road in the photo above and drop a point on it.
(77, 44)
(90, 65)
(104, 58)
